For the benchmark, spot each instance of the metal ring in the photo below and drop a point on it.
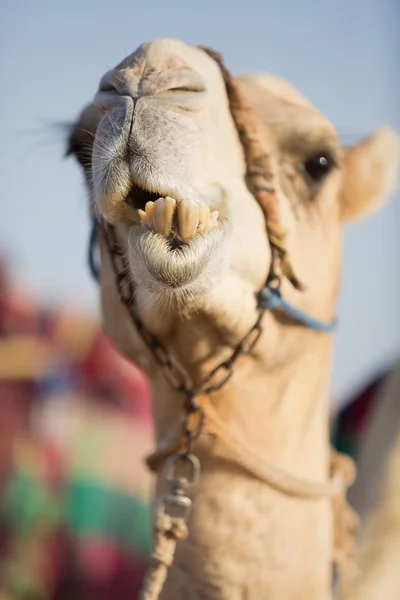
(179, 481)
(183, 503)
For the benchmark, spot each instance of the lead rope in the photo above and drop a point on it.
(170, 529)
(346, 525)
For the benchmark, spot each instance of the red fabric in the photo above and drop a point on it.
(68, 567)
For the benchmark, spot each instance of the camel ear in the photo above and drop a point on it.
(369, 173)
(81, 135)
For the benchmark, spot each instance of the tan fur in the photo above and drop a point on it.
(370, 173)
(246, 540)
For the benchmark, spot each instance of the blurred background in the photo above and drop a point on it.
(344, 57)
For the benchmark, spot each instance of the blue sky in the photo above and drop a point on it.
(342, 55)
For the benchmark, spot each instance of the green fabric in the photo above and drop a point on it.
(88, 507)
(93, 508)
(27, 504)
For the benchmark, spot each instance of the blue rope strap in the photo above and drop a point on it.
(271, 298)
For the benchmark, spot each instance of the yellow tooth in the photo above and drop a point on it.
(204, 218)
(163, 213)
(144, 219)
(158, 217)
(142, 216)
(188, 219)
(149, 208)
(146, 215)
(149, 214)
(169, 208)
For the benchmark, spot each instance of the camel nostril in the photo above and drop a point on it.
(106, 91)
(108, 87)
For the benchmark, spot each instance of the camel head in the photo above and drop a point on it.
(164, 160)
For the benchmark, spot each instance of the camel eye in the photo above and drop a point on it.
(317, 167)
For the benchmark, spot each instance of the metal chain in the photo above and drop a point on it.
(172, 510)
(174, 372)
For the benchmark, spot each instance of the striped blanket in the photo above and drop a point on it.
(74, 428)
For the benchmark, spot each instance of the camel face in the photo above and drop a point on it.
(165, 160)
(166, 137)
(166, 152)
(161, 105)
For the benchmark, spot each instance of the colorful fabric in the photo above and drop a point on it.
(74, 490)
(349, 425)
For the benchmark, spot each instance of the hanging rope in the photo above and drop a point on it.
(167, 531)
(346, 524)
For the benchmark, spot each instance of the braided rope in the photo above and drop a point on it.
(346, 524)
(259, 172)
(168, 530)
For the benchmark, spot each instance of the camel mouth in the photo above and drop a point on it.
(138, 197)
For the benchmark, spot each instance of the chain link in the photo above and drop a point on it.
(193, 422)
(174, 372)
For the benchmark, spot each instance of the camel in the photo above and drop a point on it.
(190, 231)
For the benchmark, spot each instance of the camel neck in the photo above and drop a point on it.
(281, 410)
(283, 414)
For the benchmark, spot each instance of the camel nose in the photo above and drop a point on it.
(117, 89)
(174, 87)
(104, 101)
(124, 82)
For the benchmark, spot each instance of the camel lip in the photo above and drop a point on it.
(174, 243)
